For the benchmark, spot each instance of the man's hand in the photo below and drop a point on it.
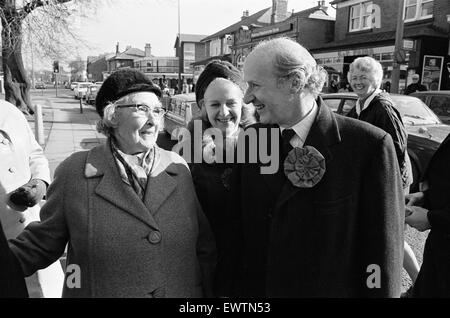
(417, 218)
(29, 194)
(414, 199)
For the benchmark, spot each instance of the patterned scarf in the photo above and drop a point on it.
(135, 169)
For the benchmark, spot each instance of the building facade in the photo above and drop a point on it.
(311, 27)
(368, 28)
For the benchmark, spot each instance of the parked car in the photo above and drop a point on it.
(40, 85)
(73, 85)
(181, 109)
(91, 93)
(81, 89)
(438, 101)
(425, 130)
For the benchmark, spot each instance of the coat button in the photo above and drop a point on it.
(154, 237)
(12, 170)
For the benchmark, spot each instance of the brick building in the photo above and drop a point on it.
(367, 28)
(311, 27)
(97, 67)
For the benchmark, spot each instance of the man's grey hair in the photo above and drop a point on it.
(290, 58)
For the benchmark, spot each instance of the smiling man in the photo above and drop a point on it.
(323, 225)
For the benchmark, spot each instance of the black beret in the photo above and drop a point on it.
(217, 69)
(121, 83)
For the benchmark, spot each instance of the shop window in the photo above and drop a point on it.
(189, 51)
(418, 9)
(361, 16)
(387, 57)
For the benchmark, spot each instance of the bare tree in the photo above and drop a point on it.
(46, 22)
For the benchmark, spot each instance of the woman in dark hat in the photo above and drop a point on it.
(127, 209)
(219, 93)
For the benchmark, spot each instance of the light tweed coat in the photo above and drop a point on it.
(22, 159)
(162, 247)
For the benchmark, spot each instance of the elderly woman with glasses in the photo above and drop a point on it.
(127, 209)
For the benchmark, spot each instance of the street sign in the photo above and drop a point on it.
(408, 45)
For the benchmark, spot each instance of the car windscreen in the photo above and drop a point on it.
(414, 111)
(84, 85)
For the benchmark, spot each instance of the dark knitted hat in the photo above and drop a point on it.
(121, 83)
(217, 69)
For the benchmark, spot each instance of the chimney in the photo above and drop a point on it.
(279, 11)
(117, 48)
(245, 15)
(321, 5)
(148, 49)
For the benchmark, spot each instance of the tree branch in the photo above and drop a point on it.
(30, 6)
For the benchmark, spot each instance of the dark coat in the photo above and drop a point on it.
(415, 87)
(382, 114)
(12, 283)
(319, 242)
(124, 247)
(212, 186)
(434, 275)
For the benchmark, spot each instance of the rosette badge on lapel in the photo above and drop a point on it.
(304, 167)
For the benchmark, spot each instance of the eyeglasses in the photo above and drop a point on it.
(142, 108)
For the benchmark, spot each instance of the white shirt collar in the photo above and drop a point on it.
(302, 128)
(367, 102)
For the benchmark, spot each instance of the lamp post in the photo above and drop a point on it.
(180, 61)
(398, 48)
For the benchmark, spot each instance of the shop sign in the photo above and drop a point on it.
(272, 30)
(432, 71)
(408, 45)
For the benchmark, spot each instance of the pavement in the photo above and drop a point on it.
(66, 128)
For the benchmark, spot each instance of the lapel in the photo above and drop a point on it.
(100, 163)
(161, 183)
(323, 134)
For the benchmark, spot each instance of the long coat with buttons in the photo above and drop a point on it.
(343, 237)
(22, 159)
(118, 244)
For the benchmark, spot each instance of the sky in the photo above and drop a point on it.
(137, 22)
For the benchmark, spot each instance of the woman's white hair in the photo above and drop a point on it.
(290, 58)
(370, 66)
(108, 122)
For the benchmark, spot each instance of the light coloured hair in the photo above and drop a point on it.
(370, 66)
(108, 122)
(290, 58)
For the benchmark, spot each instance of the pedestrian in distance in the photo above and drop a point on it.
(415, 86)
(24, 177)
(219, 94)
(126, 209)
(329, 221)
(430, 210)
(377, 108)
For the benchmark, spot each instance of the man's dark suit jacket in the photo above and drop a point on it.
(12, 283)
(324, 241)
(434, 275)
